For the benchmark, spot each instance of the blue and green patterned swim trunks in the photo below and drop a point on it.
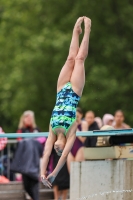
(64, 112)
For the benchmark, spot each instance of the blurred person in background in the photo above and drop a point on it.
(82, 126)
(89, 141)
(27, 124)
(90, 119)
(119, 120)
(92, 125)
(3, 143)
(61, 183)
(26, 161)
(99, 122)
(108, 119)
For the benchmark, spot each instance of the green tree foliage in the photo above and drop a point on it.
(34, 41)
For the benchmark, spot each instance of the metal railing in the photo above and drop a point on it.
(6, 156)
(7, 153)
(78, 133)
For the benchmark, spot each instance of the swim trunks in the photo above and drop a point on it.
(64, 112)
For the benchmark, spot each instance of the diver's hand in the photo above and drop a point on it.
(51, 178)
(45, 181)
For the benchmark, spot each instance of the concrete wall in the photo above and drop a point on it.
(99, 177)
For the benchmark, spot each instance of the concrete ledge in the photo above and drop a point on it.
(95, 177)
(115, 152)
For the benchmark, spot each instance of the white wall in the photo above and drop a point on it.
(93, 177)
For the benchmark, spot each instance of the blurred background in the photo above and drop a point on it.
(34, 41)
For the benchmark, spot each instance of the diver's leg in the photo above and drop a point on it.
(78, 74)
(66, 72)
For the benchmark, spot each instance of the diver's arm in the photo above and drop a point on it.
(66, 151)
(47, 152)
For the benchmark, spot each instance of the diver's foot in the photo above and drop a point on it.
(77, 27)
(87, 23)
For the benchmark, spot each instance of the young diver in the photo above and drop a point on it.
(63, 126)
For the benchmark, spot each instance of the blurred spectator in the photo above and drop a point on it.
(119, 120)
(61, 183)
(92, 125)
(27, 123)
(89, 141)
(99, 122)
(108, 119)
(82, 126)
(27, 162)
(3, 143)
(90, 118)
